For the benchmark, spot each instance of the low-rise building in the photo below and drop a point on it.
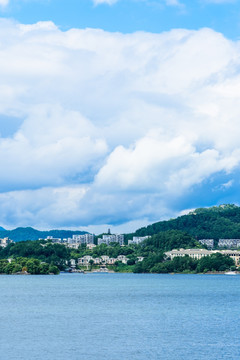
(208, 242)
(54, 240)
(199, 253)
(122, 258)
(91, 246)
(97, 261)
(234, 254)
(229, 243)
(111, 261)
(85, 260)
(105, 259)
(193, 253)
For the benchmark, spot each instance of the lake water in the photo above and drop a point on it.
(120, 316)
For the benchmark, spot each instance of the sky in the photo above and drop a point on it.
(117, 113)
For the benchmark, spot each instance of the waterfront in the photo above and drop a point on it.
(120, 316)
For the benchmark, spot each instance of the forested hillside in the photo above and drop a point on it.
(205, 223)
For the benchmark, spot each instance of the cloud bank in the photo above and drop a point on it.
(109, 128)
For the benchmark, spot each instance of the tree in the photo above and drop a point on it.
(54, 270)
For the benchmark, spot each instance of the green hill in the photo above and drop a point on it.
(218, 222)
(28, 233)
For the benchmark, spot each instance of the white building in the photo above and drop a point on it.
(73, 263)
(54, 240)
(110, 238)
(85, 260)
(97, 261)
(75, 241)
(111, 261)
(83, 239)
(229, 243)
(5, 242)
(122, 258)
(137, 240)
(91, 246)
(105, 259)
(200, 253)
(208, 242)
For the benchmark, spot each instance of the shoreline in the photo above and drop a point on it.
(153, 273)
(229, 273)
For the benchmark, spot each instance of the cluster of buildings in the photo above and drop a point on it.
(200, 253)
(222, 243)
(102, 260)
(75, 241)
(88, 239)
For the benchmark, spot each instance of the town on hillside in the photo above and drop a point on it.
(103, 261)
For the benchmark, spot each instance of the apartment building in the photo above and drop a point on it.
(110, 238)
(5, 242)
(137, 240)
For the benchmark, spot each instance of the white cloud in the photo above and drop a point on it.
(113, 124)
(220, 1)
(4, 2)
(109, 2)
(173, 3)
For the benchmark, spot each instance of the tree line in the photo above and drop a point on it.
(31, 266)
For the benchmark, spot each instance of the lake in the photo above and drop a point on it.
(120, 316)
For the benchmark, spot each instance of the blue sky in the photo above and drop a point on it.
(131, 15)
(117, 113)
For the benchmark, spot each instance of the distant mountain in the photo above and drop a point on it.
(2, 229)
(28, 233)
(218, 222)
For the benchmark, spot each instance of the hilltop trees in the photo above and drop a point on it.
(205, 223)
(171, 239)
